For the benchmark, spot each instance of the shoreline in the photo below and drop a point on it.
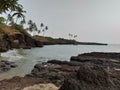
(58, 72)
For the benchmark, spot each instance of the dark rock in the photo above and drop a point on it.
(89, 78)
(72, 63)
(18, 40)
(54, 71)
(38, 43)
(13, 65)
(6, 65)
(111, 60)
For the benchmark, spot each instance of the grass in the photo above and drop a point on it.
(54, 40)
(20, 29)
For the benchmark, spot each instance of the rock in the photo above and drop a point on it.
(6, 65)
(38, 43)
(17, 40)
(18, 83)
(53, 71)
(105, 60)
(89, 78)
(83, 71)
(48, 86)
(59, 62)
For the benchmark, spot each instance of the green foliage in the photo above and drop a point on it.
(13, 9)
(32, 27)
(9, 5)
(21, 29)
(2, 20)
(19, 14)
(55, 40)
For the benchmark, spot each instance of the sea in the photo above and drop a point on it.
(27, 58)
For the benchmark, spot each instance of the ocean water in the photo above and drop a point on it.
(27, 58)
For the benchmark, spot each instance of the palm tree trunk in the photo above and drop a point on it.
(16, 20)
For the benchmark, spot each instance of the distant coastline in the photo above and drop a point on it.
(62, 41)
(12, 37)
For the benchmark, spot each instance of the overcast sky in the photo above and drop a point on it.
(91, 20)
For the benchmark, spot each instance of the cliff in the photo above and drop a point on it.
(14, 38)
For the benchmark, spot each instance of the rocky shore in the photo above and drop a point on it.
(12, 37)
(89, 71)
(6, 65)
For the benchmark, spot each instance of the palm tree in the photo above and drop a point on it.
(32, 27)
(19, 14)
(41, 25)
(44, 30)
(9, 18)
(75, 36)
(9, 5)
(39, 31)
(70, 36)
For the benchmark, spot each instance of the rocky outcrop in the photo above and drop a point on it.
(111, 60)
(14, 37)
(18, 40)
(54, 71)
(90, 78)
(6, 65)
(89, 71)
(83, 73)
(18, 83)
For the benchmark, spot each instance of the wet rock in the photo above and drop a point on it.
(6, 65)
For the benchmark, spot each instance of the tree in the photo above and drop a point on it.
(44, 30)
(41, 28)
(11, 8)
(19, 14)
(9, 5)
(75, 36)
(32, 27)
(70, 35)
(9, 18)
(41, 25)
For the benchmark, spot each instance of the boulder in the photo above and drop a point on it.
(6, 65)
(89, 78)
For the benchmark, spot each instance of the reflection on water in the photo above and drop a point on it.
(27, 58)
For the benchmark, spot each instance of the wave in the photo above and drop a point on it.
(11, 55)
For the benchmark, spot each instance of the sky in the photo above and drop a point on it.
(91, 20)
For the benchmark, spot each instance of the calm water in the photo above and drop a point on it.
(26, 59)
